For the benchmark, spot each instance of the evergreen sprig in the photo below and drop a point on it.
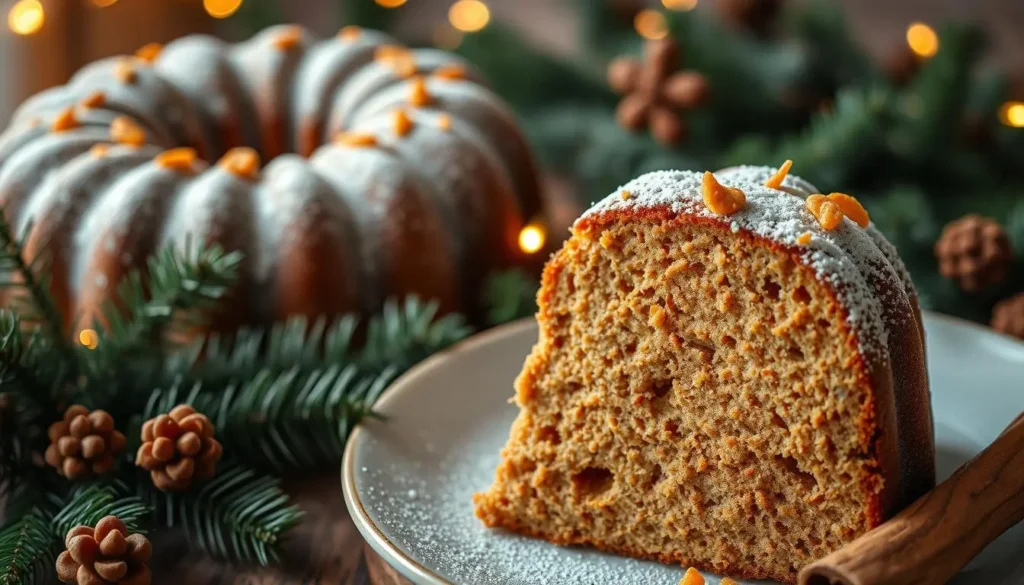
(510, 295)
(239, 515)
(27, 549)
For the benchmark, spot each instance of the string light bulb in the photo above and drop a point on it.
(390, 3)
(469, 15)
(650, 24)
(26, 17)
(922, 40)
(1012, 114)
(679, 5)
(89, 338)
(221, 8)
(532, 238)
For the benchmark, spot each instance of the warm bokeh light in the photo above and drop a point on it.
(469, 15)
(650, 24)
(221, 8)
(26, 17)
(390, 3)
(104, 3)
(1012, 114)
(531, 238)
(89, 338)
(680, 5)
(922, 40)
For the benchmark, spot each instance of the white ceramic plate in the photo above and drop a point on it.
(409, 480)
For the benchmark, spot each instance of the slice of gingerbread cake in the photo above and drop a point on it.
(729, 374)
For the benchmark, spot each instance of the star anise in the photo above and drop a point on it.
(655, 93)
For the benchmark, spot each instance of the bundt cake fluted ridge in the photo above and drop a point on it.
(389, 172)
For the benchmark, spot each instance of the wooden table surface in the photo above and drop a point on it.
(326, 549)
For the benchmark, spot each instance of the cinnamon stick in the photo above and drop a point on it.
(930, 541)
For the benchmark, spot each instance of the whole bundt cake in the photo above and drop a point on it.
(391, 172)
(730, 374)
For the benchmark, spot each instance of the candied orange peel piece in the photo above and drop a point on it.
(418, 94)
(402, 123)
(692, 577)
(241, 161)
(775, 181)
(828, 214)
(355, 139)
(150, 52)
(124, 130)
(720, 199)
(177, 159)
(851, 208)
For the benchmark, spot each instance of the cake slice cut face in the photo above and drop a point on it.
(716, 390)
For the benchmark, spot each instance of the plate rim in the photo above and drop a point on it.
(391, 552)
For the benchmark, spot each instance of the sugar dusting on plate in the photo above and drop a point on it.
(429, 514)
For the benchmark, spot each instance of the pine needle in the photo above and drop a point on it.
(239, 515)
(27, 549)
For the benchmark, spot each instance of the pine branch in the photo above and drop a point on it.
(239, 515)
(28, 549)
(405, 333)
(176, 295)
(283, 421)
(510, 295)
(87, 504)
(835, 147)
(28, 284)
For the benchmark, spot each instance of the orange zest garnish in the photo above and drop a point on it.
(355, 139)
(418, 95)
(124, 71)
(452, 71)
(851, 208)
(177, 159)
(720, 199)
(288, 39)
(444, 122)
(149, 53)
(626, 195)
(124, 130)
(100, 150)
(65, 120)
(403, 124)
(828, 214)
(775, 181)
(242, 161)
(95, 99)
(804, 239)
(349, 33)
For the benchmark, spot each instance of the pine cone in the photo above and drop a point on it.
(178, 448)
(84, 443)
(105, 555)
(1008, 316)
(975, 251)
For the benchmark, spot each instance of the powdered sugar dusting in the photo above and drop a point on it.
(846, 258)
(425, 504)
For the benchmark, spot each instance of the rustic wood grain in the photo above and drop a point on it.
(381, 573)
(929, 542)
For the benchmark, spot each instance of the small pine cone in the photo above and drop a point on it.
(84, 444)
(178, 448)
(105, 555)
(975, 251)
(1008, 316)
